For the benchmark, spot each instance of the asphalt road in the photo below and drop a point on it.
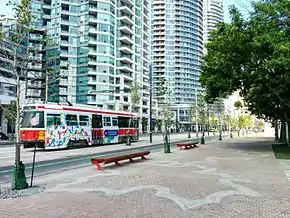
(145, 135)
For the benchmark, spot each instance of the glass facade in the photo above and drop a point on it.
(177, 47)
(176, 51)
(100, 48)
(213, 14)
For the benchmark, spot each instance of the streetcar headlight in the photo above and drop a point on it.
(41, 135)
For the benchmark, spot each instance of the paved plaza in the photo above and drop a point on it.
(233, 178)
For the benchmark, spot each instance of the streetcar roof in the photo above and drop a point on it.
(85, 109)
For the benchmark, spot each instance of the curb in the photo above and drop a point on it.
(6, 143)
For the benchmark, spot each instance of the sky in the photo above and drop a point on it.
(4, 10)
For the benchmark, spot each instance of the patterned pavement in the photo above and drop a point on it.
(235, 178)
(285, 164)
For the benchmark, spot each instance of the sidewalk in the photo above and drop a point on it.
(7, 154)
(234, 178)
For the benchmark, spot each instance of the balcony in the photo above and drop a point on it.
(127, 29)
(126, 59)
(126, 67)
(126, 9)
(127, 39)
(126, 19)
(128, 2)
(127, 49)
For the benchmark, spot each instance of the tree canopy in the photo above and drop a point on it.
(252, 56)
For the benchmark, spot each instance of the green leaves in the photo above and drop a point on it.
(135, 93)
(253, 57)
(10, 111)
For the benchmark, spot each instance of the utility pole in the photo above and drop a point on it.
(150, 104)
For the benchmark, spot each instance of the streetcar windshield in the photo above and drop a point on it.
(33, 119)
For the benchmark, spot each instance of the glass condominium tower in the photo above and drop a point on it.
(100, 47)
(177, 49)
(213, 14)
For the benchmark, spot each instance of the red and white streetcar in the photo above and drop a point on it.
(53, 126)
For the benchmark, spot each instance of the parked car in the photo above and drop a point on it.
(3, 136)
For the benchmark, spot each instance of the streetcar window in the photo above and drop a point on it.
(114, 121)
(84, 120)
(52, 120)
(124, 122)
(97, 121)
(135, 123)
(71, 120)
(107, 121)
(33, 119)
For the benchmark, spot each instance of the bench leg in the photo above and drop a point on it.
(117, 164)
(131, 160)
(99, 167)
(143, 158)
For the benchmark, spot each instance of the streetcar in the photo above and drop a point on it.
(52, 126)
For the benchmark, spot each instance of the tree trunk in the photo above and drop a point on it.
(288, 128)
(17, 123)
(283, 132)
(276, 131)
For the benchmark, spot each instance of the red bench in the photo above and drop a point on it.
(116, 159)
(187, 145)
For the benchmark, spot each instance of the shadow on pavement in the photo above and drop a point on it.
(259, 144)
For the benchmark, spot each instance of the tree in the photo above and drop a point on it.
(213, 122)
(202, 109)
(238, 105)
(192, 117)
(163, 100)
(11, 113)
(13, 44)
(218, 104)
(15, 47)
(261, 125)
(135, 100)
(144, 122)
(229, 122)
(252, 56)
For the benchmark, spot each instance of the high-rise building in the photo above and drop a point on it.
(213, 14)
(29, 62)
(177, 49)
(101, 47)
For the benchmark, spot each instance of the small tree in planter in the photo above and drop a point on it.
(192, 118)
(165, 112)
(202, 109)
(135, 100)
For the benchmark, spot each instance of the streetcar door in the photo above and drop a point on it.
(97, 132)
(110, 124)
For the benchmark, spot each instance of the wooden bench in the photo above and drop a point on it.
(187, 145)
(116, 159)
